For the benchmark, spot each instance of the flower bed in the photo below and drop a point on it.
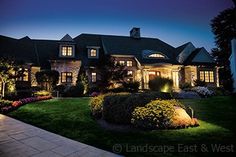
(7, 106)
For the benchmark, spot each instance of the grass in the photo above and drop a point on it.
(71, 118)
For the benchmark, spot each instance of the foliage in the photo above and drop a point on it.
(70, 118)
(224, 28)
(8, 73)
(185, 85)
(60, 88)
(155, 115)
(83, 79)
(119, 108)
(12, 105)
(199, 83)
(203, 91)
(161, 84)
(47, 79)
(96, 104)
(110, 73)
(131, 86)
(42, 93)
(75, 91)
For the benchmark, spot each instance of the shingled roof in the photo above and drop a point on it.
(39, 52)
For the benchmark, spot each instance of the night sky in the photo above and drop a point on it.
(173, 21)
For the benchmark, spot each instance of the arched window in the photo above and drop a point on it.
(156, 55)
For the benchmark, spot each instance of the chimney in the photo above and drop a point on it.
(135, 33)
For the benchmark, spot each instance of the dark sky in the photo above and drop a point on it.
(173, 21)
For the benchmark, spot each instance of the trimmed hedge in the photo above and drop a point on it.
(96, 104)
(118, 108)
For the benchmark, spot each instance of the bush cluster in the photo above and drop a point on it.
(74, 91)
(118, 108)
(155, 115)
(12, 105)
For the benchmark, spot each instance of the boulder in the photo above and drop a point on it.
(181, 119)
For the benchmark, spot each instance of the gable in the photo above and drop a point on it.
(185, 53)
(203, 57)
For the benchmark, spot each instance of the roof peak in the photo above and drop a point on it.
(67, 37)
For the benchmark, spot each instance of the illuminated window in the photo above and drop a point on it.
(66, 51)
(129, 63)
(66, 77)
(122, 62)
(94, 77)
(93, 52)
(24, 76)
(130, 73)
(207, 76)
(156, 55)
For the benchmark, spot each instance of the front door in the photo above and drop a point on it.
(175, 77)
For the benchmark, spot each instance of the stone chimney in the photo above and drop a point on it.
(233, 62)
(135, 33)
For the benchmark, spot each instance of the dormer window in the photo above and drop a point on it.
(93, 52)
(156, 55)
(66, 51)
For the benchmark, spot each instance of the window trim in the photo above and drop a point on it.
(69, 49)
(66, 77)
(90, 48)
(207, 76)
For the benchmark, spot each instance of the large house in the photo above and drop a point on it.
(143, 57)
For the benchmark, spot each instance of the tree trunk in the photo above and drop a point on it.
(3, 89)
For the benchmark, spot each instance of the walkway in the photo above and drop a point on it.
(23, 140)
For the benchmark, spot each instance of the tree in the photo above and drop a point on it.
(47, 79)
(224, 29)
(83, 79)
(110, 73)
(8, 73)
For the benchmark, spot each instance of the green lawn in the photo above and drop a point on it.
(71, 118)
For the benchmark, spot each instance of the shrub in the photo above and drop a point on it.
(42, 93)
(203, 91)
(185, 85)
(155, 115)
(4, 103)
(131, 86)
(119, 108)
(60, 88)
(96, 104)
(161, 84)
(199, 83)
(75, 91)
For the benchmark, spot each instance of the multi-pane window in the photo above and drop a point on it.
(129, 63)
(66, 77)
(66, 50)
(122, 62)
(207, 76)
(94, 77)
(93, 52)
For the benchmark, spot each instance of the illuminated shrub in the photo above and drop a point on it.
(161, 84)
(155, 115)
(96, 104)
(42, 93)
(118, 108)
